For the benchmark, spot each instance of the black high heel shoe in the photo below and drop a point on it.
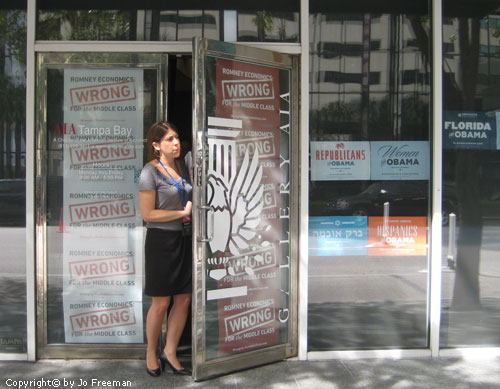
(164, 360)
(156, 372)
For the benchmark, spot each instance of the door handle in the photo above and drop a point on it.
(210, 211)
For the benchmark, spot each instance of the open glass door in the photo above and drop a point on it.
(245, 131)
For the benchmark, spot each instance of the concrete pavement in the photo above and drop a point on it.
(425, 373)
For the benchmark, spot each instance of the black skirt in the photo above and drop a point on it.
(168, 263)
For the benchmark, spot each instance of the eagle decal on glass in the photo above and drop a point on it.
(236, 198)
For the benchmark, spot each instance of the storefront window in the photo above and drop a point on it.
(471, 171)
(12, 180)
(369, 176)
(175, 21)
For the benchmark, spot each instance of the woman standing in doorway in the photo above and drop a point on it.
(165, 202)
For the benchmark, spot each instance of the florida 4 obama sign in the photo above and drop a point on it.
(469, 130)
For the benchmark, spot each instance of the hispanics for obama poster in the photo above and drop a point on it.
(102, 237)
(397, 235)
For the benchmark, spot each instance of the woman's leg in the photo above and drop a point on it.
(175, 325)
(154, 321)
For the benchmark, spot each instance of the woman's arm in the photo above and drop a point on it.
(150, 214)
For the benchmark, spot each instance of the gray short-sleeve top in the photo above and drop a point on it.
(167, 193)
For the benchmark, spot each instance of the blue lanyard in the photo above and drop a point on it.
(181, 192)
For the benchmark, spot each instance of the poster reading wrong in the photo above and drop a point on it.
(102, 248)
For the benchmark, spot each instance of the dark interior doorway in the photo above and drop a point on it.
(180, 96)
(179, 112)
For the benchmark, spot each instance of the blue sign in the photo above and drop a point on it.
(338, 235)
(399, 160)
(469, 130)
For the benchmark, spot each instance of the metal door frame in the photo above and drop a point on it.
(201, 48)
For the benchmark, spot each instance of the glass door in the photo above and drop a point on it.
(245, 233)
(95, 109)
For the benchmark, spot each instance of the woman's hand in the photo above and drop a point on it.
(188, 209)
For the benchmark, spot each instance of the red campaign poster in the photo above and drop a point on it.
(397, 235)
(251, 321)
(250, 93)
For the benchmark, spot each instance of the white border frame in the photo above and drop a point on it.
(30, 181)
(434, 294)
(303, 282)
(476, 352)
(184, 47)
(30, 354)
(367, 354)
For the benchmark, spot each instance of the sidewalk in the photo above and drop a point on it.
(425, 373)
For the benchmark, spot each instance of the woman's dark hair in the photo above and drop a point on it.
(155, 134)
